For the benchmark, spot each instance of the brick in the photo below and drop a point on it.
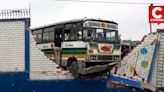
(12, 52)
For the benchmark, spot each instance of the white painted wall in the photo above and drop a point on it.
(12, 49)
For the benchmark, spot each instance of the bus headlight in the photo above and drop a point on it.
(116, 58)
(92, 57)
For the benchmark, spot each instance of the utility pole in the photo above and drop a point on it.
(150, 23)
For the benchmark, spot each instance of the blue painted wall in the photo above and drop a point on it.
(19, 82)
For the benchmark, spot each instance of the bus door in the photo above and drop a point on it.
(57, 41)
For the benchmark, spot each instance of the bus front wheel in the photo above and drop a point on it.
(73, 68)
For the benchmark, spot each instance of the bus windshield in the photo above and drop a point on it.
(100, 35)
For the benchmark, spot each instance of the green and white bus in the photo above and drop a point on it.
(80, 44)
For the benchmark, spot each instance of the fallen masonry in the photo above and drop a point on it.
(42, 68)
(143, 67)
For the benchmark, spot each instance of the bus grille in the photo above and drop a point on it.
(104, 57)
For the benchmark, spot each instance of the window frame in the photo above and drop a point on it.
(76, 26)
(35, 33)
(49, 34)
(104, 34)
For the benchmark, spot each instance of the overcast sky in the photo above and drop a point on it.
(131, 18)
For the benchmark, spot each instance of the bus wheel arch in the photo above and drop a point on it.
(70, 60)
(73, 67)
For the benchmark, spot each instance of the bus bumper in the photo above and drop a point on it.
(96, 68)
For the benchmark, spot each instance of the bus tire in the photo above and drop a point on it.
(73, 68)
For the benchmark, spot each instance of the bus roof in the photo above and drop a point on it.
(73, 21)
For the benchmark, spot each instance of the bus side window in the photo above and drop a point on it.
(38, 38)
(45, 37)
(74, 35)
(75, 32)
(66, 35)
(48, 35)
(51, 36)
(67, 30)
(71, 32)
(38, 35)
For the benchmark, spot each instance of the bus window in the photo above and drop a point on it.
(51, 36)
(71, 32)
(38, 38)
(66, 35)
(111, 36)
(100, 34)
(87, 33)
(67, 30)
(74, 35)
(38, 35)
(48, 35)
(45, 37)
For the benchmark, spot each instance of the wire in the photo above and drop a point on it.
(105, 2)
